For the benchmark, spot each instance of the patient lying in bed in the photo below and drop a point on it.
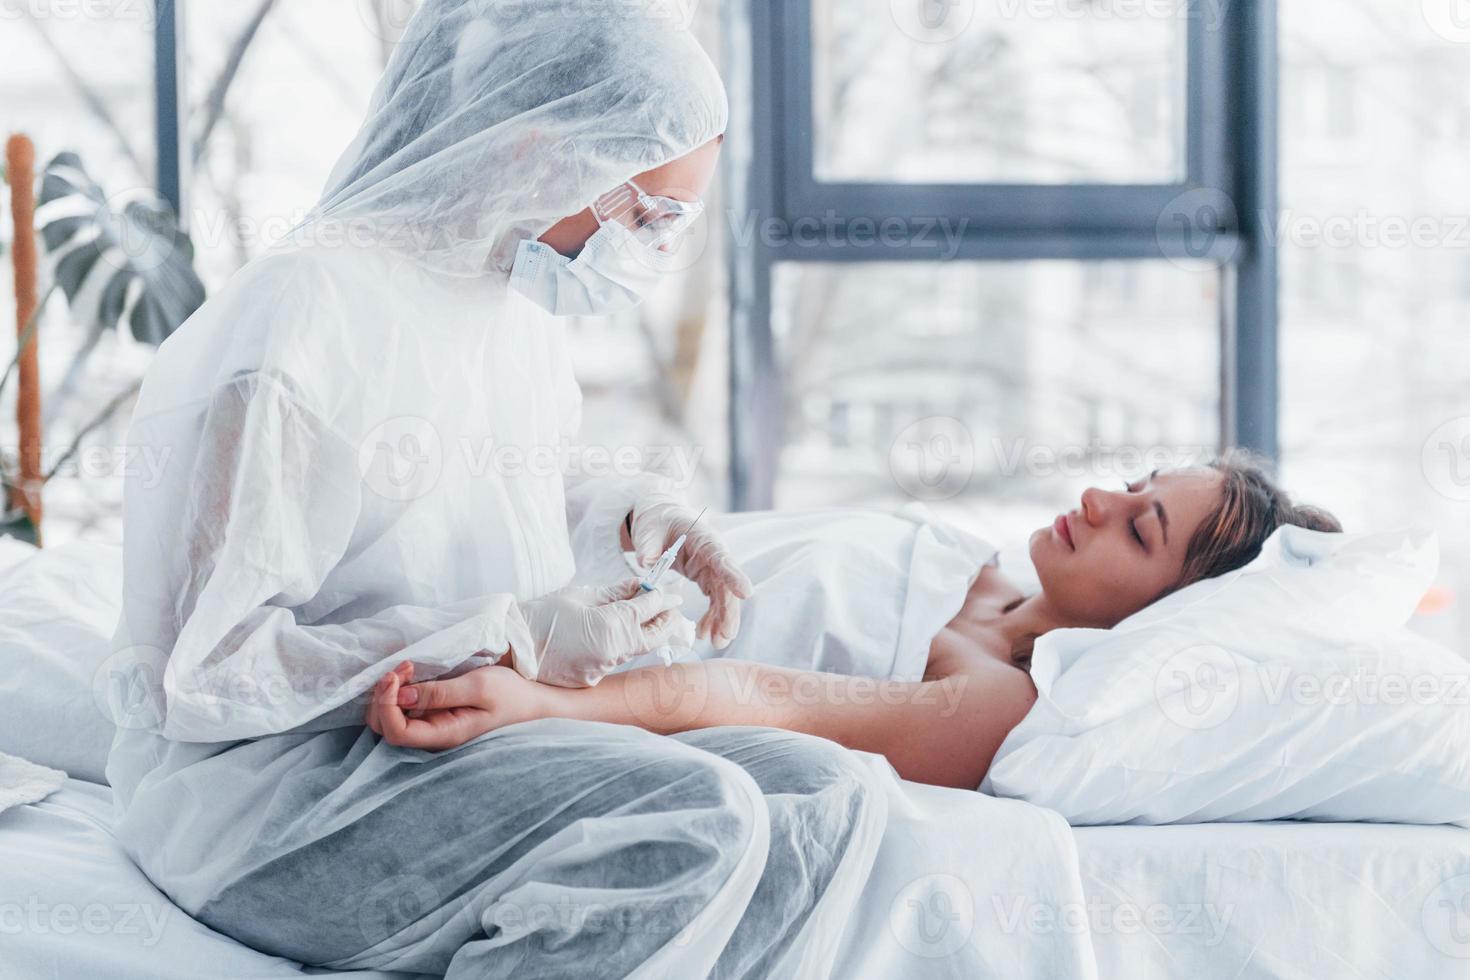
(940, 722)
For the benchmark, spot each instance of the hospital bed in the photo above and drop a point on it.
(964, 885)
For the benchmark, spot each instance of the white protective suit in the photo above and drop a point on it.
(358, 439)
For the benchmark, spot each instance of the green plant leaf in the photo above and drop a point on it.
(119, 260)
(15, 524)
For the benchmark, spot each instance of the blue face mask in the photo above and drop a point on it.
(614, 272)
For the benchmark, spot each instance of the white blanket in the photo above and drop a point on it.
(23, 782)
(843, 590)
(969, 887)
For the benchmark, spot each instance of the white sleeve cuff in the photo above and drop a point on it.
(596, 509)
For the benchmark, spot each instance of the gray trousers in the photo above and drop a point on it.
(558, 849)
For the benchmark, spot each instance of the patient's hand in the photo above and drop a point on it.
(436, 715)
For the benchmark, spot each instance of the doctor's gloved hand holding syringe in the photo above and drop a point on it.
(656, 526)
(583, 633)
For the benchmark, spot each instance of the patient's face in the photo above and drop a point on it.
(1120, 549)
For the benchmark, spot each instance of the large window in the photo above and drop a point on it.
(992, 92)
(79, 77)
(1026, 217)
(260, 156)
(1375, 239)
(992, 392)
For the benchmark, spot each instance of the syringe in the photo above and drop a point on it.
(666, 560)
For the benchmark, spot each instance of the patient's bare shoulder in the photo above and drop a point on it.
(991, 592)
(973, 632)
(963, 650)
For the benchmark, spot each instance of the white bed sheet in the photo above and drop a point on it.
(73, 905)
(1282, 899)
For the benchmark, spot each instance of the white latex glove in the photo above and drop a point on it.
(584, 632)
(705, 561)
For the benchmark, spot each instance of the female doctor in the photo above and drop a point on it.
(351, 429)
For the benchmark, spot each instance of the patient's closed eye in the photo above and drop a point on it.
(1133, 525)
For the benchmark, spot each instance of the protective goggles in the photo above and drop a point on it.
(657, 222)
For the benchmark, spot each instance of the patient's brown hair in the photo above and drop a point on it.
(1251, 507)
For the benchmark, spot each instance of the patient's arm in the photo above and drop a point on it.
(943, 730)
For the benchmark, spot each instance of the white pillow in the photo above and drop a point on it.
(58, 609)
(1286, 689)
